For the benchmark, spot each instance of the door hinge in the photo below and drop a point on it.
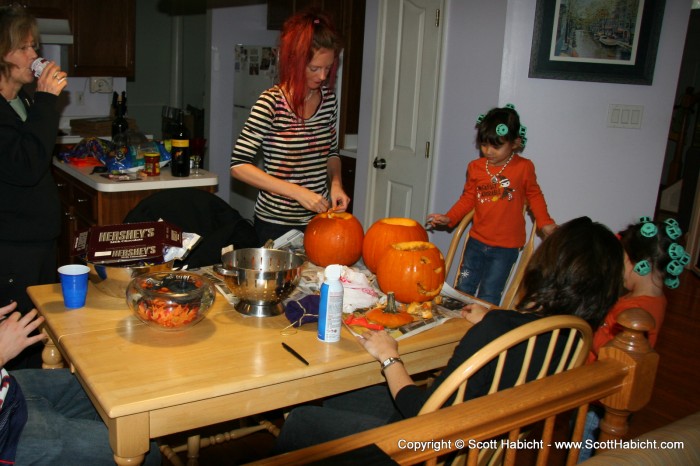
(437, 18)
(427, 149)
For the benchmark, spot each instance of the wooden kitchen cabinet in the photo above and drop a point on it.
(103, 34)
(103, 38)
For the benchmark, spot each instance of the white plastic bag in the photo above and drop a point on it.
(357, 291)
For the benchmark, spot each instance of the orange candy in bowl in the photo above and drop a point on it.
(170, 300)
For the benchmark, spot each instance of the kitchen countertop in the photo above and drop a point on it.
(164, 181)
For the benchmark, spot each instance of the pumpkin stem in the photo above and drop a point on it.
(391, 304)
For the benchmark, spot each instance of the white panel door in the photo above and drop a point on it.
(410, 38)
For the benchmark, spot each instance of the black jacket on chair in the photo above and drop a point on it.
(197, 211)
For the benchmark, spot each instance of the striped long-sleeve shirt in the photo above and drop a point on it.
(293, 150)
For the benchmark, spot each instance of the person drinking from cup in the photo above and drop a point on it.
(30, 216)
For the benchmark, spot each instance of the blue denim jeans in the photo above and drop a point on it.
(63, 427)
(486, 269)
(339, 416)
(591, 430)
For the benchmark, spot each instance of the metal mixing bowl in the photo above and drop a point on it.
(261, 278)
(114, 279)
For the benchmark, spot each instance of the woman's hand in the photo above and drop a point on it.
(52, 79)
(15, 330)
(311, 201)
(339, 200)
(379, 344)
(382, 346)
(435, 220)
(474, 312)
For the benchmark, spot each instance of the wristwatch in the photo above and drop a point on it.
(388, 362)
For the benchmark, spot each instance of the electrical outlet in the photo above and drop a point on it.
(102, 84)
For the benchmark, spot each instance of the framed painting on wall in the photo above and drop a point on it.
(613, 41)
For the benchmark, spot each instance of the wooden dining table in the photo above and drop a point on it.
(148, 383)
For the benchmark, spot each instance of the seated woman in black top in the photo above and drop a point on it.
(577, 270)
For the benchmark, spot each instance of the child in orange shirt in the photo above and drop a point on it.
(652, 259)
(499, 184)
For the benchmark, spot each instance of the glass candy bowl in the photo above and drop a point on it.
(170, 300)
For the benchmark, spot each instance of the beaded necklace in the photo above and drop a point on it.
(494, 178)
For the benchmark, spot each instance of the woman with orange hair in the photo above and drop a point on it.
(294, 123)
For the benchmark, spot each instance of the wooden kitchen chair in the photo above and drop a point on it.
(569, 335)
(460, 235)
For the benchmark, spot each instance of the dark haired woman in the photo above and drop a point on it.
(294, 123)
(577, 270)
(30, 218)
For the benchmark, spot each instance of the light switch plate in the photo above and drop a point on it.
(101, 84)
(625, 116)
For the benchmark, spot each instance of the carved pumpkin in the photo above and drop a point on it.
(389, 316)
(413, 270)
(385, 232)
(333, 238)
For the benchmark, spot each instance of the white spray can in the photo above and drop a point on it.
(330, 309)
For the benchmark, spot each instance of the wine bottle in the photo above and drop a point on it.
(119, 125)
(180, 153)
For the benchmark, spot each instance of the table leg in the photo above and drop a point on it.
(51, 357)
(133, 461)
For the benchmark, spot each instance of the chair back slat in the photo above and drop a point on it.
(510, 295)
(498, 372)
(550, 353)
(526, 360)
(568, 351)
(456, 240)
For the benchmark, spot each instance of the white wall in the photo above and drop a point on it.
(584, 167)
(229, 26)
(76, 100)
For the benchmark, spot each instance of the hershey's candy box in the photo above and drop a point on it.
(127, 242)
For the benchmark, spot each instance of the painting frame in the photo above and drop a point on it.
(641, 72)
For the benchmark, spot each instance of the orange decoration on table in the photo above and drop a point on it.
(413, 270)
(333, 238)
(389, 316)
(385, 232)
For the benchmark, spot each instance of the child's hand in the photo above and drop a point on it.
(435, 220)
(474, 312)
(549, 229)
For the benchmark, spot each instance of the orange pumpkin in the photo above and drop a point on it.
(385, 232)
(413, 270)
(389, 316)
(333, 238)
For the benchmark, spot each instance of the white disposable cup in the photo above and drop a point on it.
(38, 66)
